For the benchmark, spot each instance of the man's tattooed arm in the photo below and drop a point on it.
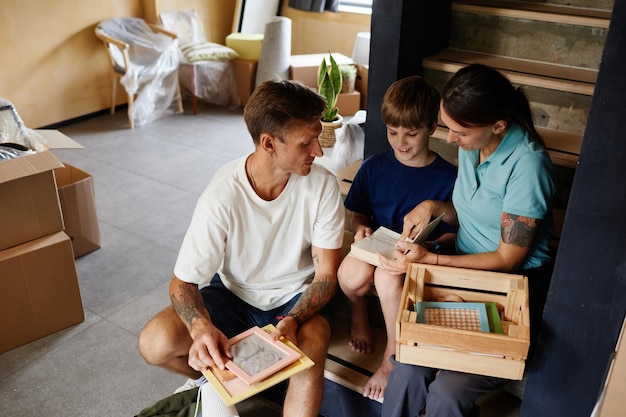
(186, 300)
(323, 287)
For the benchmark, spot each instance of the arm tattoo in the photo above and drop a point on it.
(185, 304)
(519, 230)
(314, 298)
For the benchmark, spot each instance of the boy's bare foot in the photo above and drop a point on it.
(361, 336)
(375, 387)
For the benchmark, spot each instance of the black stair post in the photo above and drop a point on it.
(403, 32)
(587, 298)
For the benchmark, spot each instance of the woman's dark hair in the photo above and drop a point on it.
(478, 95)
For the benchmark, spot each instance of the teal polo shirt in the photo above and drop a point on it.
(517, 179)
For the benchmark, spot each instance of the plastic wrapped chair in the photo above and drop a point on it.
(144, 58)
(205, 68)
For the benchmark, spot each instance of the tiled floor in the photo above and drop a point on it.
(147, 181)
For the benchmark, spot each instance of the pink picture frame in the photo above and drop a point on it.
(256, 355)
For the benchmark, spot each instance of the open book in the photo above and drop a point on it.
(259, 362)
(383, 241)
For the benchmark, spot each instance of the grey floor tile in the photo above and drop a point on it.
(124, 269)
(147, 181)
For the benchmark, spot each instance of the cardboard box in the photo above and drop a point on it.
(362, 80)
(30, 207)
(245, 75)
(349, 103)
(39, 292)
(346, 176)
(247, 45)
(303, 68)
(492, 354)
(78, 206)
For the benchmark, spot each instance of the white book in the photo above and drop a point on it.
(383, 241)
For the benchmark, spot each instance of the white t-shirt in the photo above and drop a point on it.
(261, 249)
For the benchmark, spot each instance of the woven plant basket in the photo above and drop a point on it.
(327, 137)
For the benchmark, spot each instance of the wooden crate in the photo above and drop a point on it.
(492, 354)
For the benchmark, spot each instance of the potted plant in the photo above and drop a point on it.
(329, 81)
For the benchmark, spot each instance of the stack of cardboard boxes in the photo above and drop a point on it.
(303, 68)
(39, 291)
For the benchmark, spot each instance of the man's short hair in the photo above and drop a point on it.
(275, 106)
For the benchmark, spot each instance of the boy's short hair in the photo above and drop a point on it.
(410, 103)
(276, 106)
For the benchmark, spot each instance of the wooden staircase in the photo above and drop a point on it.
(553, 49)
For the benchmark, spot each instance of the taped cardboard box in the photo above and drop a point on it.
(349, 103)
(30, 206)
(303, 68)
(39, 291)
(78, 205)
(492, 354)
(245, 75)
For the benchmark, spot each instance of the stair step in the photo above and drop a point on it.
(347, 367)
(560, 97)
(556, 34)
(605, 5)
(519, 71)
(536, 11)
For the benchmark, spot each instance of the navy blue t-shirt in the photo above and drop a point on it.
(386, 190)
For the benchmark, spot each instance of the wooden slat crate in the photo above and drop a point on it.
(492, 354)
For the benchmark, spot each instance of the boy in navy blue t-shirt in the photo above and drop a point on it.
(387, 186)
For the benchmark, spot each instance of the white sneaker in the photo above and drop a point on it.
(190, 384)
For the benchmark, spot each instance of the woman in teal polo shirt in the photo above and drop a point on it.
(502, 204)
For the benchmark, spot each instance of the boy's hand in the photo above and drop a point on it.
(362, 233)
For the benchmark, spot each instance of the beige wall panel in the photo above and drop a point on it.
(322, 32)
(216, 15)
(53, 66)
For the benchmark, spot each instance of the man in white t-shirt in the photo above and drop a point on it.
(262, 247)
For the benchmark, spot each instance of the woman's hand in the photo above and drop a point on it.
(417, 219)
(405, 254)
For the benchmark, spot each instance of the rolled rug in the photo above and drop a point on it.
(275, 51)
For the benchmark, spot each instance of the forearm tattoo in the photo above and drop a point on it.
(185, 304)
(314, 298)
(519, 230)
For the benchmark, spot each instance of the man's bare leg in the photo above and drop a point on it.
(306, 389)
(164, 341)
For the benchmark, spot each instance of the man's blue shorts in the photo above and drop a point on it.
(232, 315)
